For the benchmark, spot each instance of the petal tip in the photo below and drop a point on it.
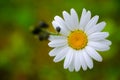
(84, 9)
(100, 60)
(72, 9)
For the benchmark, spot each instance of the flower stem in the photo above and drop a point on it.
(50, 33)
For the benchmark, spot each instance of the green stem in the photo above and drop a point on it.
(51, 33)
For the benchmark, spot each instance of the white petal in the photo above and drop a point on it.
(83, 12)
(74, 17)
(98, 46)
(55, 24)
(98, 36)
(60, 21)
(68, 58)
(106, 42)
(91, 23)
(68, 20)
(57, 43)
(77, 62)
(84, 19)
(54, 37)
(71, 66)
(82, 60)
(88, 60)
(97, 28)
(91, 52)
(63, 30)
(61, 54)
(55, 51)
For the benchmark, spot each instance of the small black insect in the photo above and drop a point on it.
(58, 29)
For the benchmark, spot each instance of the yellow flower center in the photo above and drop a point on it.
(77, 39)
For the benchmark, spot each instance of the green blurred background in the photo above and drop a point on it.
(23, 57)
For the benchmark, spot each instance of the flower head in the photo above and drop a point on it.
(78, 40)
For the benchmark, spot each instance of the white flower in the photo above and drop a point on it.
(78, 41)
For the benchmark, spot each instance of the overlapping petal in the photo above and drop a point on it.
(57, 43)
(85, 18)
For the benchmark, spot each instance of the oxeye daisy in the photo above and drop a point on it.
(78, 41)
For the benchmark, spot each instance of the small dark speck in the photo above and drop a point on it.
(58, 29)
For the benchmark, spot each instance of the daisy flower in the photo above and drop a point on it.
(78, 40)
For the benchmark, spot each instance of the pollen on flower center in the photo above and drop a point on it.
(77, 39)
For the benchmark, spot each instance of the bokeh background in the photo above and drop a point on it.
(24, 57)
